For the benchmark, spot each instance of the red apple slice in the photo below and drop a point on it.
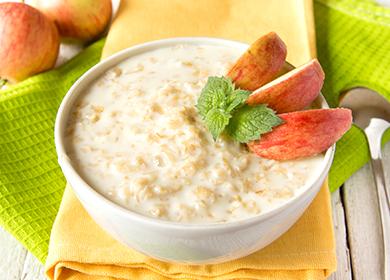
(260, 63)
(303, 134)
(292, 91)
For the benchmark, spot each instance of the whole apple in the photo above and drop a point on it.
(29, 42)
(77, 19)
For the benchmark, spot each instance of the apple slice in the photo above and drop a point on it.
(303, 134)
(260, 63)
(292, 91)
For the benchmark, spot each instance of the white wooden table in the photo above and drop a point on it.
(356, 223)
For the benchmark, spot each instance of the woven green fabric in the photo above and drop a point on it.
(31, 182)
(353, 45)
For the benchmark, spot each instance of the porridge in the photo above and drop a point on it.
(135, 136)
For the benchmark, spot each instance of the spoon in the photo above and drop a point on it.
(371, 112)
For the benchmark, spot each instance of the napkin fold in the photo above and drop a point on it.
(79, 249)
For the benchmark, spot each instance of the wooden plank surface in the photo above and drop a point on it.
(363, 221)
(15, 262)
(32, 269)
(344, 271)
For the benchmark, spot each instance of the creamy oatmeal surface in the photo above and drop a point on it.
(135, 137)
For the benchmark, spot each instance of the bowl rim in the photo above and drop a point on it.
(82, 186)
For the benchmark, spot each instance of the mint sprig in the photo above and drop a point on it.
(217, 102)
(248, 123)
(222, 108)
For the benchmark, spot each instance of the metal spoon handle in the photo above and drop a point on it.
(379, 175)
(374, 135)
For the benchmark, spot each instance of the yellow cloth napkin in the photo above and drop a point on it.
(79, 249)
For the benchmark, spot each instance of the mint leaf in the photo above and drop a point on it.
(214, 95)
(221, 107)
(248, 123)
(216, 121)
(237, 98)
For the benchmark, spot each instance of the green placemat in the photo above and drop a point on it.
(31, 182)
(353, 45)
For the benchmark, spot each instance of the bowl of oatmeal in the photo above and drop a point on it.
(141, 162)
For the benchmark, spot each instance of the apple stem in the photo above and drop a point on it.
(2, 83)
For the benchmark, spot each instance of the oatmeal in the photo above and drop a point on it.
(135, 136)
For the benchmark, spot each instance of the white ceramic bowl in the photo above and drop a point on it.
(170, 241)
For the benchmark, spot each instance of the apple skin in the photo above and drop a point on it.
(260, 64)
(292, 91)
(29, 42)
(303, 134)
(82, 20)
